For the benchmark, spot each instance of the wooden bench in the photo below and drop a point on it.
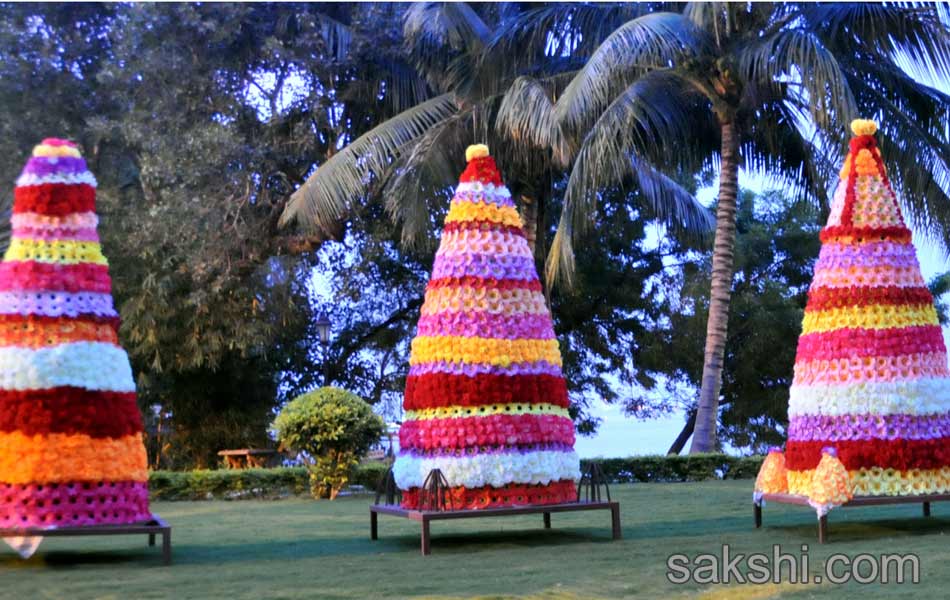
(155, 526)
(426, 517)
(246, 458)
(925, 500)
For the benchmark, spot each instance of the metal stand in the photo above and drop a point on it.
(856, 501)
(426, 517)
(591, 481)
(155, 526)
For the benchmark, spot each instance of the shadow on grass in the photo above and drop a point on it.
(868, 530)
(457, 542)
(64, 559)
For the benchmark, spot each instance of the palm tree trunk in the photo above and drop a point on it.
(707, 414)
(529, 216)
(677, 446)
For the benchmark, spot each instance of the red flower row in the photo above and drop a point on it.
(489, 430)
(486, 282)
(70, 410)
(857, 454)
(848, 342)
(432, 390)
(54, 277)
(482, 169)
(44, 320)
(481, 225)
(55, 198)
(462, 498)
(827, 298)
(894, 233)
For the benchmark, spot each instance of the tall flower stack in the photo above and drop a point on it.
(485, 400)
(871, 390)
(71, 448)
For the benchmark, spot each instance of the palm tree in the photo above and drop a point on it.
(765, 87)
(478, 92)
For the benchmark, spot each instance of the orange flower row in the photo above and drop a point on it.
(57, 458)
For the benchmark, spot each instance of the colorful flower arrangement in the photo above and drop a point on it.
(871, 392)
(485, 399)
(71, 448)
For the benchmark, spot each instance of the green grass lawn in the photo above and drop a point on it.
(304, 549)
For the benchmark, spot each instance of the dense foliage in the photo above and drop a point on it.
(330, 430)
(198, 121)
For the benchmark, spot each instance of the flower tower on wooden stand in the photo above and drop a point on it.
(485, 400)
(71, 448)
(869, 407)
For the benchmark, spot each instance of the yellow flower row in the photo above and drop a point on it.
(882, 482)
(491, 351)
(465, 212)
(63, 252)
(456, 412)
(869, 317)
(56, 151)
(493, 300)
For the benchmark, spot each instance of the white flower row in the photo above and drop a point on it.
(925, 396)
(90, 365)
(496, 469)
(488, 188)
(77, 178)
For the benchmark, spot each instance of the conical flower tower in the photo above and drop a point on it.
(71, 449)
(485, 400)
(871, 379)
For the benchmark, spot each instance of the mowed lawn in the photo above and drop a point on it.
(299, 548)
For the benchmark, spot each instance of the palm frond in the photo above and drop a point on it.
(777, 146)
(792, 57)
(653, 41)
(918, 30)
(329, 194)
(424, 173)
(528, 42)
(525, 117)
(444, 40)
(659, 119)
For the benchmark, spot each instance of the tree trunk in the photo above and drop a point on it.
(707, 414)
(529, 216)
(681, 439)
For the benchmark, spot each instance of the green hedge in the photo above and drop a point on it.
(231, 484)
(696, 467)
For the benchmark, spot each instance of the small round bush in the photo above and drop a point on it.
(330, 429)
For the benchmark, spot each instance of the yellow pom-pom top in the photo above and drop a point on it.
(55, 147)
(475, 151)
(863, 127)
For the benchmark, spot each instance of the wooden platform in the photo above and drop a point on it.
(856, 501)
(426, 517)
(155, 526)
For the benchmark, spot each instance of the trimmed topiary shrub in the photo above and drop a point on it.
(330, 429)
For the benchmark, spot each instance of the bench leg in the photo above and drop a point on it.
(757, 512)
(547, 520)
(926, 509)
(167, 546)
(151, 539)
(426, 550)
(823, 529)
(615, 521)
(373, 525)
